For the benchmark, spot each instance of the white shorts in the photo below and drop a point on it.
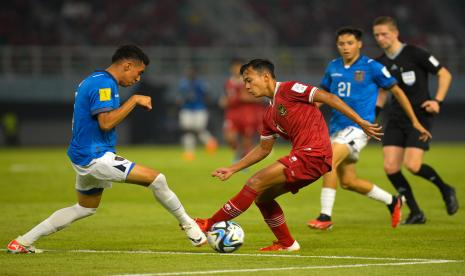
(195, 120)
(101, 172)
(354, 138)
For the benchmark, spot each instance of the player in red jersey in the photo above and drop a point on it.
(293, 115)
(243, 113)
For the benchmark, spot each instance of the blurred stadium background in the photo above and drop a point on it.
(48, 47)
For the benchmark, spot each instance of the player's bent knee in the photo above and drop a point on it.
(412, 167)
(255, 183)
(159, 183)
(347, 184)
(83, 211)
(391, 168)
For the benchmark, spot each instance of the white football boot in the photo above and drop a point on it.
(194, 233)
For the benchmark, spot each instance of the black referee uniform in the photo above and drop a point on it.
(411, 67)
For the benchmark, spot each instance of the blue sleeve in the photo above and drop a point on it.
(326, 80)
(101, 96)
(381, 75)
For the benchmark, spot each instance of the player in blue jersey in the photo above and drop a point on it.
(193, 115)
(97, 112)
(356, 79)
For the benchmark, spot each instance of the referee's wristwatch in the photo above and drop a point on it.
(438, 101)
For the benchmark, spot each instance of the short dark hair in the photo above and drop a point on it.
(385, 20)
(259, 65)
(356, 32)
(130, 52)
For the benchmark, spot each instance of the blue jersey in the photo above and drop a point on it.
(357, 85)
(95, 94)
(193, 93)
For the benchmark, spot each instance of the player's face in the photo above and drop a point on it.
(348, 46)
(385, 35)
(132, 73)
(255, 83)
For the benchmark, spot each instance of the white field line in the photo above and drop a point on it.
(243, 255)
(249, 255)
(287, 268)
(406, 261)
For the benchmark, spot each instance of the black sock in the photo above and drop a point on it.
(324, 217)
(393, 203)
(400, 183)
(430, 174)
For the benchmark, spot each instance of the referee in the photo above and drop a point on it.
(411, 65)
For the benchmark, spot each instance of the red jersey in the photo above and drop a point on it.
(293, 115)
(233, 89)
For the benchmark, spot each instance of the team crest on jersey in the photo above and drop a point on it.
(282, 110)
(359, 75)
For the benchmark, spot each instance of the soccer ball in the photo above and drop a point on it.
(225, 236)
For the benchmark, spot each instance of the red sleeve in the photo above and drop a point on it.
(267, 129)
(300, 92)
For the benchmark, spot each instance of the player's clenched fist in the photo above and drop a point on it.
(144, 101)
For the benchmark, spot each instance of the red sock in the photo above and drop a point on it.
(274, 217)
(235, 206)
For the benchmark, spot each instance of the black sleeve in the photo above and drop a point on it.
(426, 60)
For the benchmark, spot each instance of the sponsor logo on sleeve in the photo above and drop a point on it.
(433, 61)
(299, 88)
(105, 94)
(386, 72)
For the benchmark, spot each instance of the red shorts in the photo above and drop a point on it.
(303, 169)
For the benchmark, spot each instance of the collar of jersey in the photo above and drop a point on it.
(275, 91)
(108, 74)
(350, 66)
(391, 57)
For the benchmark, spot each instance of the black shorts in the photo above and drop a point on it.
(400, 132)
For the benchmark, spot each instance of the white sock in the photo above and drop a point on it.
(328, 196)
(188, 141)
(379, 194)
(204, 136)
(168, 199)
(57, 221)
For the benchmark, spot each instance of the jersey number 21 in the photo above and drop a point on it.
(343, 89)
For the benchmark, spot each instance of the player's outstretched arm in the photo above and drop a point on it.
(108, 120)
(372, 130)
(255, 155)
(405, 103)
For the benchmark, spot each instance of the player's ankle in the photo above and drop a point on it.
(324, 217)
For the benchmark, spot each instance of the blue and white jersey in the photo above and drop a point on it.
(95, 94)
(357, 85)
(193, 93)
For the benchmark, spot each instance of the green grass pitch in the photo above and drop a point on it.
(133, 234)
